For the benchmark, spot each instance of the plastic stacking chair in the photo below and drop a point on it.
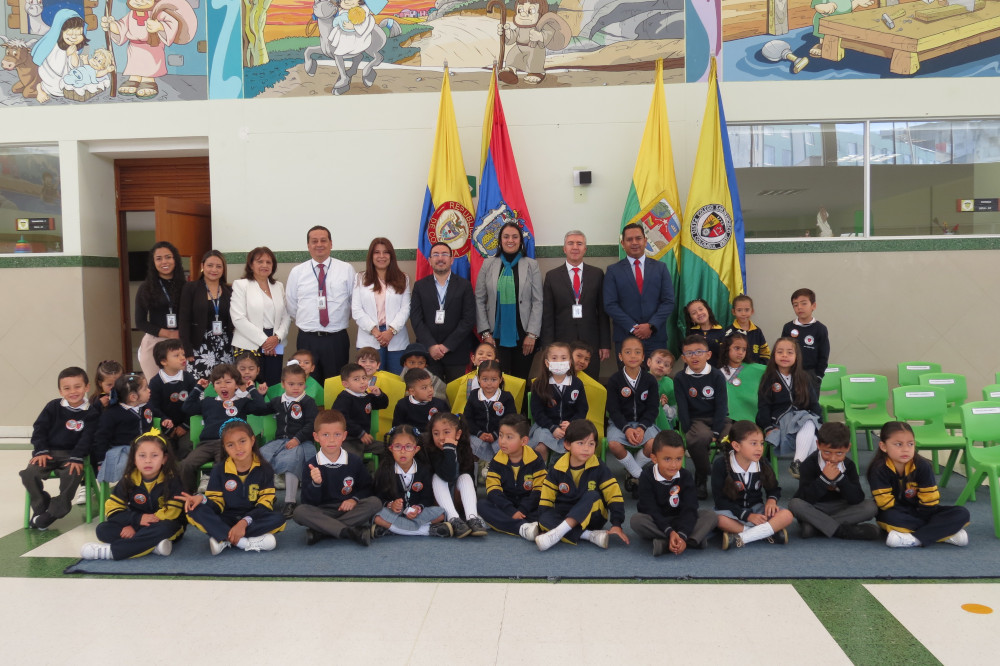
(743, 397)
(89, 483)
(929, 405)
(830, 400)
(865, 398)
(388, 383)
(992, 392)
(331, 389)
(996, 377)
(955, 392)
(274, 392)
(457, 391)
(597, 402)
(909, 373)
(981, 423)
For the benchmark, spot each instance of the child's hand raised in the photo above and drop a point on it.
(617, 531)
(203, 382)
(262, 388)
(831, 470)
(315, 474)
(191, 502)
(374, 390)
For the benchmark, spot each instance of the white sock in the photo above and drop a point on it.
(630, 465)
(805, 441)
(561, 530)
(442, 495)
(757, 532)
(641, 459)
(423, 530)
(586, 534)
(291, 488)
(242, 543)
(467, 491)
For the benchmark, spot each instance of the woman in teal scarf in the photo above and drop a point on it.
(509, 302)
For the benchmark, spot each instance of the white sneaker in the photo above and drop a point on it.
(528, 531)
(599, 538)
(279, 481)
(96, 551)
(257, 544)
(164, 548)
(81, 495)
(217, 546)
(546, 540)
(901, 540)
(959, 538)
(203, 484)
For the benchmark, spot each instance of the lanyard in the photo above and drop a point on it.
(321, 283)
(437, 289)
(170, 306)
(215, 300)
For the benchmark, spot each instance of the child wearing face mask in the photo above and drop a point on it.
(557, 398)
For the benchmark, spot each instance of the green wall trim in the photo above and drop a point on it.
(57, 261)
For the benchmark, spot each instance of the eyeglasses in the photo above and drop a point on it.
(694, 352)
(440, 255)
(403, 447)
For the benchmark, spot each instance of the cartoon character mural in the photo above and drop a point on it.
(17, 58)
(59, 51)
(534, 30)
(36, 24)
(348, 30)
(832, 8)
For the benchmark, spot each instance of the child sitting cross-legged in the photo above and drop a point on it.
(514, 481)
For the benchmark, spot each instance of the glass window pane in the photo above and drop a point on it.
(922, 171)
(800, 180)
(30, 201)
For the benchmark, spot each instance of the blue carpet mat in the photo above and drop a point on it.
(500, 556)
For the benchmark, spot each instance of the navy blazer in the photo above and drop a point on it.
(627, 307)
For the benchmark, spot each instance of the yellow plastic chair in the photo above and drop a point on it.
(981, 423)
(909, 373)
(597, 402)
(955, 391)
(458, 396)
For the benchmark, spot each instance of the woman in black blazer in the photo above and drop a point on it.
(205, 325)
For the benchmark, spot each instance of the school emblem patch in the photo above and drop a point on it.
(675, 501)
(498, 408)
(693, 392)
(74, 425)
(591, 485)
(712, 227)
(417, 486)
(794, 332)
(736, 381)
(139, 498)
(431, 412)
(175, 397)
(910, 493)
(809, 339)
(708, 391)
(675, 490)
(644, 395)
(295, 411)
(346, 490)
(231, 485)
(228, 404)
(756, 486)
(183, 395)
(739, 486)
(528, 484)
(574, 395)
(231, 411)
(626, 391)
(349, 481)
(368, 408)
(564, 488)
(147, 414)
(776, 387)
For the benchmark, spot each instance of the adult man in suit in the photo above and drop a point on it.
(443, 313)
(573, 303)
(638, 293)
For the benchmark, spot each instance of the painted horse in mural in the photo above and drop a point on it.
(329, 23)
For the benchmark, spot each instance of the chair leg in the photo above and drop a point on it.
(104, 492)
(995, 501)
(948, 468)
(603, 451)
(27, 510)
(89, 487)
(970, 488)
(854, 443)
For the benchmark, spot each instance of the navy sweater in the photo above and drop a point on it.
(119, 426)
(569, 404)
(295, 419)
(703, 397)
(627, 404)
(214, 411)
(340, 482)
(417, 415)
(357, 410)
(63, 429)
(169, 397)
(672, 504)
(483, 416)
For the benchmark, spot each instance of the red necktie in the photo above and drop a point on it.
(576, 282)
(324, 314)
(638, 276)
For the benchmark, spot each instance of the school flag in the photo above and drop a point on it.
(711, 247)
(447, 212)
(652, 199)
(501, 199)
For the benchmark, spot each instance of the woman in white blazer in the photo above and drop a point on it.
(260, 321)
(381, 304)
(514, 340)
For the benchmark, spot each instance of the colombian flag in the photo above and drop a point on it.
(711, 249)
(500, 196)
(447, 212)
(652, 200)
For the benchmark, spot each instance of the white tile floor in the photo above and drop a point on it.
(971, 638)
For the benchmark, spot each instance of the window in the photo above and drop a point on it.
(30, 200)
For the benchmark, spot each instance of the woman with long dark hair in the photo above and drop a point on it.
(380, 304)
(206, 327)
(157, 303)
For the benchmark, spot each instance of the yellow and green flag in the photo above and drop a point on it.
(711, 254)
(652, 199)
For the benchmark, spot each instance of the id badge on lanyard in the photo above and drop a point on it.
(577, 311)
(171, 317)
(439, 316)
(216, 327)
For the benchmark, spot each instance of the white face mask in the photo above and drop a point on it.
(559, 367)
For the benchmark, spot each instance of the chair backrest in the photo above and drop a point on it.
(331, 389)
(315, 390)
(909, 373)
(863, 390)
(666, 385)
(954, 385)
(274, 391)
(920, 403)
(743, 397)
(458, 390)
(268, 427)
(991, 392)
(597, 402)
(197, 425)
(395, 390)
(831, 378)
(981, 422)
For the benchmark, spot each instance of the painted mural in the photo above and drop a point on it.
(91, 51)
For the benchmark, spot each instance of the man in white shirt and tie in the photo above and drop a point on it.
(318, 296)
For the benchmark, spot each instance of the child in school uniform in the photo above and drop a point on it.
(788, 404)
(307, 362)
(580, 495)
(337, 499)
(660, 364)
(120, 424)
(757, 349)
(168, 389)
(294, 412)
(557, 398)
(667, 512)
(107, 374)
(830, 499)
(60, 439)
(485, 408)
(701, 321)
(633, 403)
(416, 356)
(226, 405)
(484, 351)
(904, 489)
(733, 355)
(746, 491)
(702, 406)
(237, 509)
(514, 481)
(356, 403)
(419, 405)
(406, 491)
(812, 336)
(446, 446)
(144, 514)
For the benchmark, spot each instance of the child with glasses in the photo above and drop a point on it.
(702, 406)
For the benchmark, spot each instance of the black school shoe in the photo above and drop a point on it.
(459, 528)
(659, 547)
(377, 531)
(703, 490)
(288, 510)
(793, 469)
(359, 534)
(632, 485)
(780, 538)
(442, 529)
(807, 531)
(42, 521)
(313, 537)
(863, 532)
(478, 526)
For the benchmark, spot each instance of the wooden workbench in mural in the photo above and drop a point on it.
(911, 41)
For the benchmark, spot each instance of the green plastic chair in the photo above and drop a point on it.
(955, 392)
(830, 400)
(743, 398)
(274, 392)
(996, 377)
(991, 392)
(89, 482)
(981, 423)
(909, 373)
(929, 405)
(865, 398)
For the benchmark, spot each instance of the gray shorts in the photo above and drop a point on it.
(616, 435)
(539, 435)
(756, 508)
(399, 521)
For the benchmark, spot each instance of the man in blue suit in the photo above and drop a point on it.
(638, 294)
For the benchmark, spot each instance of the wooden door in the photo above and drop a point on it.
(188, 225)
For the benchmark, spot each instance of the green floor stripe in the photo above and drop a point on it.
(865, 630)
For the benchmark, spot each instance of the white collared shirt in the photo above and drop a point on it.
(707, 370)
(744, 473)
(326, 462)
(171, 378)
(662, 479)
(569, 269)
(287, 400)
(632, 382)
(642, 264)
(496, 396)
(302, 294)
(414, 401)
(805, 323)
(85, 405)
